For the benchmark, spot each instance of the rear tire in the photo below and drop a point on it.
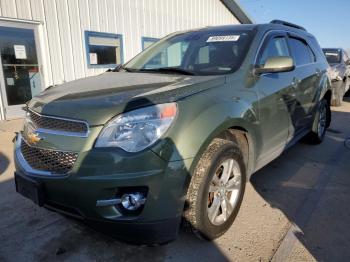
(320, 124)
(214, 198)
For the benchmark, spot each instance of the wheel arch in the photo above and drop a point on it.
(328, 97)
(239, 133)
(245, 142)
(326, 92)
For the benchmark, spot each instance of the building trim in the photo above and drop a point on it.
(236, 9)
(106, 35)
(17, 20)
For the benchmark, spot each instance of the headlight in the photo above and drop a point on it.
(136, 130)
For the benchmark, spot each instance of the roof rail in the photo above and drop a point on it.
(281, 22)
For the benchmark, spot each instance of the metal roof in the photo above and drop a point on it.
(236, 9)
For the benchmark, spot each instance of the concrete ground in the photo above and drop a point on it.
(295, 209)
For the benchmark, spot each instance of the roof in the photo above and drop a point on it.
(236, 9)
(332, 49)
(229, 27)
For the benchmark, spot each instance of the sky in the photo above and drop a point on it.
(328, 20)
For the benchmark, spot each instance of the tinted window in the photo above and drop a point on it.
(275, 47)
(316, 48)
(170, 57)
(332, 56)
(312, 54)
(301, 52)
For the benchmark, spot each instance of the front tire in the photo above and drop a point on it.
(216, 190)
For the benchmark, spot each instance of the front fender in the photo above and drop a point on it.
(197, 126)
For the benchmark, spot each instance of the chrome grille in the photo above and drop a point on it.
(57, 124)
(56, 162)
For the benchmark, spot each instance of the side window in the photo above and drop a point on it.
(312, 54)
(203, 55)
(316, 48)
(276, 46)
(301, 52)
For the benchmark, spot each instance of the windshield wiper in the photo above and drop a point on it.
(119, 68)
(169, 69)
(161, 69)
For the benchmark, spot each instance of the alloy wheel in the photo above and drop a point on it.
(224, 191)
(322, 120)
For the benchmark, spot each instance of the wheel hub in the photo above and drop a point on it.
(224, 191)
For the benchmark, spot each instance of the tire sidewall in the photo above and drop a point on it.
(323, 103)
(206, 228)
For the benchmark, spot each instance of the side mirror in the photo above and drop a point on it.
(276, 64)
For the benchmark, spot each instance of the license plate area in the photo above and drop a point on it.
(30, 189)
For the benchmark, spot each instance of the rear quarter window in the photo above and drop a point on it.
(320, 57)
(301, 52)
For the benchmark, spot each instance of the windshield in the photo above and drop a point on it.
(333, 56)
(196, 53)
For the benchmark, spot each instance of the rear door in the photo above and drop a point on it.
(305, 82)
(276, 96)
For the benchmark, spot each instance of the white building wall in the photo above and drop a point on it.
(64, 22)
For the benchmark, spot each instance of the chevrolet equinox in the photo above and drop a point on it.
(174, 134)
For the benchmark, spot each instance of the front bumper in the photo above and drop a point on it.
(101, 174)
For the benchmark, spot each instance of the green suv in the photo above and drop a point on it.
(174, 134)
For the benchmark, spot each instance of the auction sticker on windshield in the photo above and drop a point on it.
(223, 38)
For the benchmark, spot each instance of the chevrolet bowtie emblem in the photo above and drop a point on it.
(33, 138)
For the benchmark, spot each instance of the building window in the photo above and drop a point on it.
(103, 49)
(147, 41)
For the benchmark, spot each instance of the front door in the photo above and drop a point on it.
(20, 77)
(276, 99)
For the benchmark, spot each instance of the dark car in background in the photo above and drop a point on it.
(339, 72)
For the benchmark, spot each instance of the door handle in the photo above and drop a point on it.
(318, 72)
(295, 82)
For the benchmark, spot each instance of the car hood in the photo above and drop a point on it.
(97, 99)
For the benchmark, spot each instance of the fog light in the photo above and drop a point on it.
(132, 201)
